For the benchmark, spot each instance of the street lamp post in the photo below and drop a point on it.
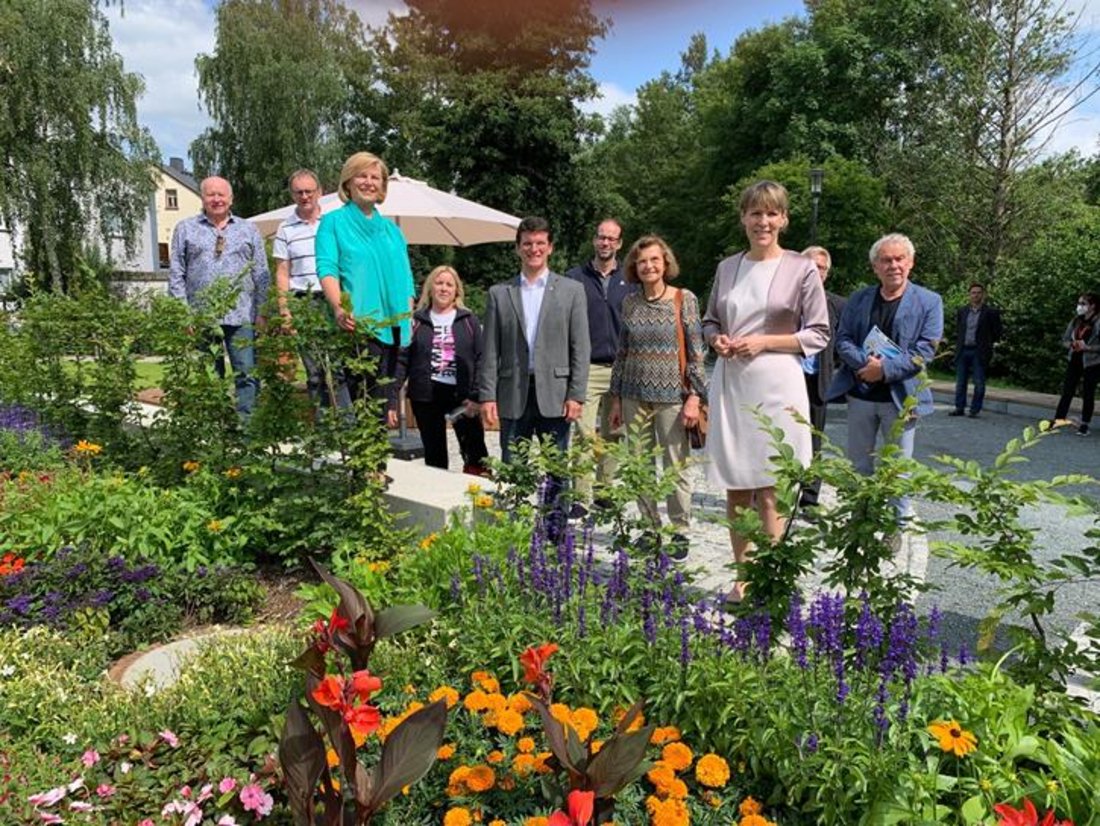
(816, 177)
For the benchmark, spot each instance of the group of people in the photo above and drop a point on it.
(613, 347)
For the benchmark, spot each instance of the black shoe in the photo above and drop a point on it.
(1083, 430)
(678, 548)
(955, 413)
(973, 414)
(578, 511)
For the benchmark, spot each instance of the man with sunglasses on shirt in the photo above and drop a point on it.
(217, 245)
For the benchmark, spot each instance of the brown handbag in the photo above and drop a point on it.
(697, 433)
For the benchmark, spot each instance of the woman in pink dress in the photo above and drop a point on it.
(766, 312)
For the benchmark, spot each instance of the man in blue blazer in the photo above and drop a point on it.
(876, 384)
(535, 350)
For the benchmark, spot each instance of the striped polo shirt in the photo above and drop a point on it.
(294, 243)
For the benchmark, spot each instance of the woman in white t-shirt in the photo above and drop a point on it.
(441, 366)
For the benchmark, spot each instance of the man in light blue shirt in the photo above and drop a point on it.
(214, 246)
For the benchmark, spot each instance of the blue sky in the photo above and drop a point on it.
(159, 39)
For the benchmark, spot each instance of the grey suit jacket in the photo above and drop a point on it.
(561, 348)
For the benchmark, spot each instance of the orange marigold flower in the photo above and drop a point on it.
(497, 822)
(457, 817)
(446, 693)
(620, 713)
(540, 762)
(755, 820)
(496, 702)
(585, 721)
(537, 820)
(190, 466)
(509, 722)
(494, 757)
(953, 737)
(525, 745)
(519, 703)
(523, 764)
(678, 756)
(476, 700)
(428, 541)
(712, 771)
(671, 812)
(480, 778)
(485, 681)
(664, 780)
(445, 752)
(749, 806)
(561, 712)
(664, 734)
(595, 746)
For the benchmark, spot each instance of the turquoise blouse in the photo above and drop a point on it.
(371, 259)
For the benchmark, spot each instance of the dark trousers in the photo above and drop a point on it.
(530, 425)
(967, 363)
(430, 418)
(376, 383)
(812, 490)
(1088, 376)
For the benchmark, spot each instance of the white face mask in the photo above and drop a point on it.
(1082, 309)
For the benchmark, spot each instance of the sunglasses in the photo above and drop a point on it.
(219, 246)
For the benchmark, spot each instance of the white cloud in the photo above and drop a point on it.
(375, 12)
(610, 97)
(159, 39)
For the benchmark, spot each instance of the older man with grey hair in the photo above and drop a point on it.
(214, 246)
(886, 338)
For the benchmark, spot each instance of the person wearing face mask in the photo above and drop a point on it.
(361, 254)
(1082, 341)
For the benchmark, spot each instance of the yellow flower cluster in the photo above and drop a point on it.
(483, 501)
(86, 448)
(444, 692)
(712, 771)
(458, 817)
(428, 541)
(664, 734)
(471, 780)
(504, 713)
(190, 466)
(214, 526)
(582, 720)
(233, 473)
(670, 812)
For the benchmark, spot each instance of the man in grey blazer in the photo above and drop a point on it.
(535, 352)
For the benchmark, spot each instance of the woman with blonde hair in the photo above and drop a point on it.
(658, 373)
(766, 311)
(362, 253)
(441, 366)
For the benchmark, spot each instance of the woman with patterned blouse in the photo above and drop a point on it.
(646, 379)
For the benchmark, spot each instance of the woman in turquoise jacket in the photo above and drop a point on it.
(362, 253)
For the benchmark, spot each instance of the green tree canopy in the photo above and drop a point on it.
(75, 162)
(278, 88)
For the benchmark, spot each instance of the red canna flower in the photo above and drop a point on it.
(326, 631)
(534, 660)
(363, 684)
(330, 693)
(580, 805)
(363, 719)
(1027, 816)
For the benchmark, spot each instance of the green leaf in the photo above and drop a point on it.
(973, 810)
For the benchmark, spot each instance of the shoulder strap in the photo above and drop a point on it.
(678, 302)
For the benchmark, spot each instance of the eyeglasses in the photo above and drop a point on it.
(299, 193)
(219, 246)
(607, 238)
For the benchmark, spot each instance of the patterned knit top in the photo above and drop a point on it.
(647, 366)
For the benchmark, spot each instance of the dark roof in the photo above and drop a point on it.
(181, 178)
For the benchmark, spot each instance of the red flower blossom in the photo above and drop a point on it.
(534, 660)
(363, 684)
(1027, 816)
(330, 693)
(362, 719)
(326, 631)
(580, 806)
(11, 564)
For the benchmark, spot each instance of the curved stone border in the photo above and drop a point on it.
(159, 667)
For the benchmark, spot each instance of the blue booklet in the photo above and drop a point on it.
(877, 343)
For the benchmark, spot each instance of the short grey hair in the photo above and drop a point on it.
(809, 252)
(893, 238)
(302, 173)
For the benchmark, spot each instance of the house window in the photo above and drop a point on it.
(162, 251)
(171, 199)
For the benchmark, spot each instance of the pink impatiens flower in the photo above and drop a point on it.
(170, 738)
(47, 798)
(227, 820)
(255, 799)
(146, 822)
(90, 758)
(227, 785)
(105, 790)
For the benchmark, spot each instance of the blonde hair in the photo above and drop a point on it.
(356, 164)
(429, 282)
(766, 195)
(630, 266)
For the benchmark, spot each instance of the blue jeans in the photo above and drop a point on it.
(242, 359)
(866, 421)
(969, 362)
(530, 425)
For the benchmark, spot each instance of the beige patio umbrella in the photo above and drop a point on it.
(426, 216)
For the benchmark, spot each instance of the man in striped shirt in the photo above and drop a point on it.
(296, 274)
